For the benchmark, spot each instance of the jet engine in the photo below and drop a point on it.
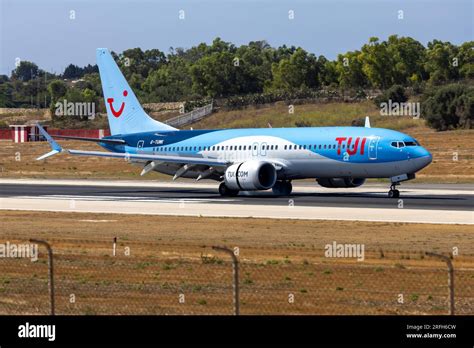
(250, 176)
(340, 182)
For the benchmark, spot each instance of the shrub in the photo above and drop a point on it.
(448, 107)
(396, 93)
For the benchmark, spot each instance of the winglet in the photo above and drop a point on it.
(367, 122)
(55, 148)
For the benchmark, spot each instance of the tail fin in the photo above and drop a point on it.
(124, 112)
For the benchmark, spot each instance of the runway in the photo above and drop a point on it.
(423, 203)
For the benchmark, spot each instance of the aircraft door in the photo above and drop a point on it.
(263, 149)
(140, 145)
(254, 149)
(373, 143)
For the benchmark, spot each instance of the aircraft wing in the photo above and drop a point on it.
(208, 161)
(96, 140)
(56, 148)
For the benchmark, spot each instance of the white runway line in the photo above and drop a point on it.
(240, 210)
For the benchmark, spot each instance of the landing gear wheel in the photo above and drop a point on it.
(393, 193)
(282, 188)
(227, 192)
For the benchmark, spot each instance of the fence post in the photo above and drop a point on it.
(450, 279)
(50, 270)
(235, 271)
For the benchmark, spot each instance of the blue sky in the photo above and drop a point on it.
(42, 31)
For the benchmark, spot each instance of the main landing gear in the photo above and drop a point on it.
(394, 193)
(227, 192)
(282, 188)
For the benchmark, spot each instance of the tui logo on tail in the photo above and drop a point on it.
(122, 106)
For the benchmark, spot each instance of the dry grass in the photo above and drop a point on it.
(171, 256)
(316, 115)
(267, 233)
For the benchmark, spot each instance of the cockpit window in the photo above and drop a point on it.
(394, 144)
(410, 143)
(401, 144)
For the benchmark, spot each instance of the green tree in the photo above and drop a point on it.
(72, 72)
(301, 70)
(171, 82)
(57, 89)
(25, 71)
(466, 60)
(377, 63)
(409, 56)
(442, 62)
(349, 68)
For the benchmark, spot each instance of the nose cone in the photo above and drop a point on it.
(421, 157)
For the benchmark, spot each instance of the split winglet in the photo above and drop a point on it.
(55, 148)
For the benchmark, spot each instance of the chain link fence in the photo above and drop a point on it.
(157, 278)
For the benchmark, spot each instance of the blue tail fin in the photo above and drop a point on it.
(124, 112)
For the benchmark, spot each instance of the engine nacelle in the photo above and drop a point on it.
(250, 176)
(340, 182)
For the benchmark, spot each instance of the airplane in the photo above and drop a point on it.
(253, 159)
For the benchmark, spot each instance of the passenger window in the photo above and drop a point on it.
(324, 146)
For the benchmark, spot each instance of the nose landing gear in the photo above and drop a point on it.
(394, 193)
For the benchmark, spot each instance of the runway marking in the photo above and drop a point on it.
(128, 199)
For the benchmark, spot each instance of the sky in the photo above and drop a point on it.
(55, 33)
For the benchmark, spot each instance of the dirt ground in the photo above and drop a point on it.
(166, 265)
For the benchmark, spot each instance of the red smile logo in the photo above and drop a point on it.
(119, 112)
